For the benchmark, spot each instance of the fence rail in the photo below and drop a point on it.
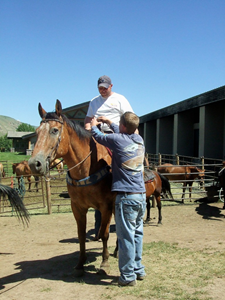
(52, 194)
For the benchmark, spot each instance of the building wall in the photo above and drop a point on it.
(193, 127)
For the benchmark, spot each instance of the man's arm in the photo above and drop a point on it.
(87, 123)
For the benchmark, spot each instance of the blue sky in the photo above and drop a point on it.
(157, 52)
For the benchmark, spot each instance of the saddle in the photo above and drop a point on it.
(148, 176)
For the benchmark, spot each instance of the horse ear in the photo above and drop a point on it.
(42, 112)
(58, 108)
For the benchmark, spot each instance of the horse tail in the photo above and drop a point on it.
(16, 203)
(165, 185)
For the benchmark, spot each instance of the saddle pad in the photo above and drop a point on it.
(148, 175)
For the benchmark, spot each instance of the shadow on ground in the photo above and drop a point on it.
(208, 211)
(58, 268)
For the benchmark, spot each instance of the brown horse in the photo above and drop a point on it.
(22, 169)
(2, 171)
(186, 173)
(157, 186)
(58, 164)
(88, 177)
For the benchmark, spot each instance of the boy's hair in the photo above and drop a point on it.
(130, 121)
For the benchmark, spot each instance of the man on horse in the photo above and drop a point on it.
(110, 105)
(127, 170)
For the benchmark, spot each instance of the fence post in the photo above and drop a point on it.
(160, 159)
(203, 167)
(42, 189)
(48, 190)
(203, 162)
(177, 159)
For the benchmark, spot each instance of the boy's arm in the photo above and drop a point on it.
(100, 137)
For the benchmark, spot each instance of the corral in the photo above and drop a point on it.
(53, 196)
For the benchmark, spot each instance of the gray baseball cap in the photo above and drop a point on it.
(104, 81)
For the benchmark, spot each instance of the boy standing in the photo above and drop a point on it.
(127, 170)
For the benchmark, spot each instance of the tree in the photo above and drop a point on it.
(5, 143)
(25, 127)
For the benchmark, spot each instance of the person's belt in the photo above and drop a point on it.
(130, 193)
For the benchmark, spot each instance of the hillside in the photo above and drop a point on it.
(8, 124)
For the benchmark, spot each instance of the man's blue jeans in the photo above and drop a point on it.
(129, 213)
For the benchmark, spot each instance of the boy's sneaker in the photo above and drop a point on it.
(130, 283)
(140, 277)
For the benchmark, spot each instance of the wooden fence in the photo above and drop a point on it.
(52, 195)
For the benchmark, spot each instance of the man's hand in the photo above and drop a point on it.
(103, 119)
(94, 122)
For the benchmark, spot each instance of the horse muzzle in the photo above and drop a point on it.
(38, 164)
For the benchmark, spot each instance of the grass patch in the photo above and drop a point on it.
(173, 273)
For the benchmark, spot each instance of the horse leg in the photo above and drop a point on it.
(81, 219)
(184, 188)
(29, 180)
(148, 207)
(106, 214)
(159, 206)
(36, 182)
(115, 253)
(190, 191)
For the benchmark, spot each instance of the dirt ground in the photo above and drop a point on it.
(37, 262)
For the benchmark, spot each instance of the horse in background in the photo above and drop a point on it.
(2, 171)
(22, 169)
(186, 173)
(156, 185)
(58, 164)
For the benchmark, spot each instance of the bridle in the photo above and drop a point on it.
(55, 148)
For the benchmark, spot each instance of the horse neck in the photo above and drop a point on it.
(84, 156)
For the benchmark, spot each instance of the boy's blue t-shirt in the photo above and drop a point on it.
(127, 160)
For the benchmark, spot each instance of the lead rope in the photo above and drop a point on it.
(48, 178)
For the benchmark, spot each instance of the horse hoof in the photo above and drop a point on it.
(115, 254)
(104, 269)
(147, 221)
(78, 273)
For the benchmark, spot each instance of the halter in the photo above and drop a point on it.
(57, 145)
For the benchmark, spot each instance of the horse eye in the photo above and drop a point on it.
(54, 131)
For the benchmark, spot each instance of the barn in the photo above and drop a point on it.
(193, 127)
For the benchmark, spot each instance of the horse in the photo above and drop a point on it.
(221, 180)
(156, 186)
(186, 173)
(58, 164)
(15, 202)
(2, 171)
(22, 168)
(88, 177)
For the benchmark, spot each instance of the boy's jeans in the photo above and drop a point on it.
(129, 213)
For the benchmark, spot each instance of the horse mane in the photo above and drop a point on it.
(81, 132)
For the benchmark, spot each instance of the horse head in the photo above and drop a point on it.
(57, 137)
(200, 174)
(51, 140)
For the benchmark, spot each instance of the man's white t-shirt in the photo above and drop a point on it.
(113, 107)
